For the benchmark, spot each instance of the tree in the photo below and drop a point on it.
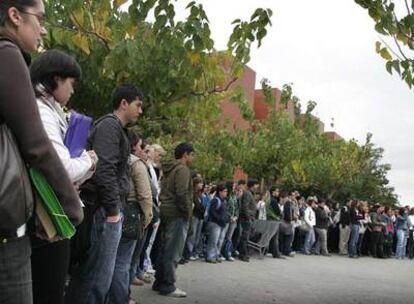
(184, 78)
(397, 23)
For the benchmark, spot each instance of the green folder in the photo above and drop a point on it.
(50, 202)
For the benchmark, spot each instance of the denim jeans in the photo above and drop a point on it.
(401, 243)
(135, 270)
(321, 246)
(229, 236)
(213, 235)
(193, 238)
(222, 236)
(151, 243)
(309, 240)
(119, 290)
(353, 240)
(91, 283)
(15, 272)
(173, 235)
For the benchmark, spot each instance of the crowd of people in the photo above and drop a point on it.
(138, 210)
(308, 226)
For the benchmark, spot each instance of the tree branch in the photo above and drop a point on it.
(388, 46)
(216, 90)
(408, 7)
(102, 39)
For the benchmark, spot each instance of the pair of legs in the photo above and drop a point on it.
(173, 234)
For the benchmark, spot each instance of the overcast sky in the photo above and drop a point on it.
(327, 50)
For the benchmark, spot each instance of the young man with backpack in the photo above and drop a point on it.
(104, 196)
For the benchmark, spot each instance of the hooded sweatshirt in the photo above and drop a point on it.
(176, 195)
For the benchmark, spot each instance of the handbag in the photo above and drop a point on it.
(304, 227)
(51, 204)
(16, 198)
(132, 225)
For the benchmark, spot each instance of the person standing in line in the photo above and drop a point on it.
(176, 210)
(233, 214)
(310, 220)
(401, 226)
(321, 228)
(22, 26)
(377, 234)
(410, 244)
(190, 250)
(53, 76)
(261, 207)
(344, 229)
(247, 215)
(217, 220)
(139, 198)
(274, 213)
(354, 218)
(104, 195)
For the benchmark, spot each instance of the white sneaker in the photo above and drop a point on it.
(177, 293)
(221, 259)
(230, 259)
(192, 258)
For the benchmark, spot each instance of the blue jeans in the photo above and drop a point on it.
(91, 283)
(309, 240)
(353, 240)
(135, 270)
(223, 233)
(15, 272)
(173, 235)
(193, 239)
(401, 243)
(213, 235)
(119, 291)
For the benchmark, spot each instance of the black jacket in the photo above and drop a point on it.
(217, 212)
(199, 209)
(247, 207)
(109, 186)
(322, 218)
(354, 216)
(344, 219)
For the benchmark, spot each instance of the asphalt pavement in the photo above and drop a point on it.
(302, 279)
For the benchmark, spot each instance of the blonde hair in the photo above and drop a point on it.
(159, 149)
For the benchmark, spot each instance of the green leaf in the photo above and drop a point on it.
(385, 54)
(190, 4)
(81, 42)
(389, 66)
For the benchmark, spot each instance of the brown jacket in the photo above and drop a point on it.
(18, 109)
(140, 188)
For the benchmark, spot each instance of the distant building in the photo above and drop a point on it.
(256, 99)
(306, 118)
(262, 108)
(333, 135)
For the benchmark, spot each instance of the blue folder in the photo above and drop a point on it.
(77, 133)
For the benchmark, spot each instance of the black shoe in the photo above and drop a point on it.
(244, 258)
(155, 287)
(279, 257)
